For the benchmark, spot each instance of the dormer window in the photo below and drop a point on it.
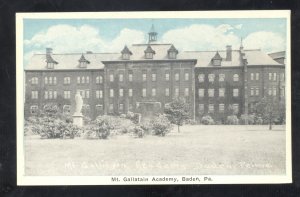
(149, 52)
(50, 61)
(172, 52)
(216, 60)
(126, 53)
(83, 62)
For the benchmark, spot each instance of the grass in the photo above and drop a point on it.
(198, 149)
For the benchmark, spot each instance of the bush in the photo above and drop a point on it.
(245, 117)
(161, 125)
(258, 120)
(232, 120)
(207, 120)
(139, 131)
(190, 122)
(146, 126)
(134, 117)
(102, 127)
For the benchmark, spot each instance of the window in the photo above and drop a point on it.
(111, 93)
(78, 80)
(186, 76)
(148, 55)
(67, 94)
(54, 80)
(34, 94)
(270, 76)
(121, 107)
(167, 91)
(201, 77)
(144, 92)
(50, 80)
(270, 92)
(111, 77)
(34, 109)
(221, 77)
(153, 77)
(235, 77)
(257, 76)
(99, 79)
(211, 77)
(251, 91)
(144, 77)
(130, 77)
(186, 91)
(221, 92)
(46, 80)
(87, 94)
(282, 77)
(130, 92)
(153, 93)
(201, 92)
(87, 79)
(176, 92)
(221, 107)
(235, 92)
(172, 55)
(121, 77)
(99, 94)
(201, 108)
(46, 95)
(50, 95)
(82, 80)
(34, 80)
(235, 108)
(252, 76)
(274, 76)
(66, 109)
(176, 76)
(50, 65)
(167, 76)
(111, 108)
(256, 91)
(211, 108)
(67, 80)
(282, 93)
(82, 93)
(211, 92)
(54, 94)
(121, 92)
(274, 91)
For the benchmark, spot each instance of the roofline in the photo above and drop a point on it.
(151, 44)
(151, 60)
(223, 50)
(73, 69)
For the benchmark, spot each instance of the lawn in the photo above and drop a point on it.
(198, 149)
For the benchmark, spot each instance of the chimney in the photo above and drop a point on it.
(48, 51)
(228, 53)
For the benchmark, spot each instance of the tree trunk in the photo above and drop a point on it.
(178, 129)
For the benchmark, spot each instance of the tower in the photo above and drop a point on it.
(152, 35)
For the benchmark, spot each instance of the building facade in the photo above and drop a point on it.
(144, 78)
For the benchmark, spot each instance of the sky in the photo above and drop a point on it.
(110, 35)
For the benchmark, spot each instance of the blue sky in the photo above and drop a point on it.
(107, 35)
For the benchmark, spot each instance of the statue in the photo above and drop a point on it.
(78, 117)
(79, 102)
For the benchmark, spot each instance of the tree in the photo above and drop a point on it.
(271, 110)
(177, 112)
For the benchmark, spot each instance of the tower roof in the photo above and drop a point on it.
(172, 49)
(217, 56)
(152, 30)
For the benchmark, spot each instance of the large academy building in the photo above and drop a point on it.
(144, 78)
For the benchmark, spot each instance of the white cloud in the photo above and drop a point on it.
(238, 26)
(68, 39)
(265, 40)
(202, 37)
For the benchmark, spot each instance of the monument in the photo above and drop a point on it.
(78, 117)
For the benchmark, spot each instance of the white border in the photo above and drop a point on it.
(106, 180)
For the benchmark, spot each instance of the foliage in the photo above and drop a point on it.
(177, 111)
(207, 120)
(231, 110)
(134, 117)
(161, 125)
(258, 120)
(139, 131)
(190, 122)
(232, 120)
(250, 118)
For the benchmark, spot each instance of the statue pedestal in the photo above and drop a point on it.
(78, 119)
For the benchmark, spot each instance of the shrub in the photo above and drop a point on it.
(245, 117)
(139, 131)
(190, 122)
(134, 117)
(232, 120)
(207, 120)
(258, 120)
(161, 125)
(146, 126)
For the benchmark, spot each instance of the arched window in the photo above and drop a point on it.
(211, 77)
(201, 77)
